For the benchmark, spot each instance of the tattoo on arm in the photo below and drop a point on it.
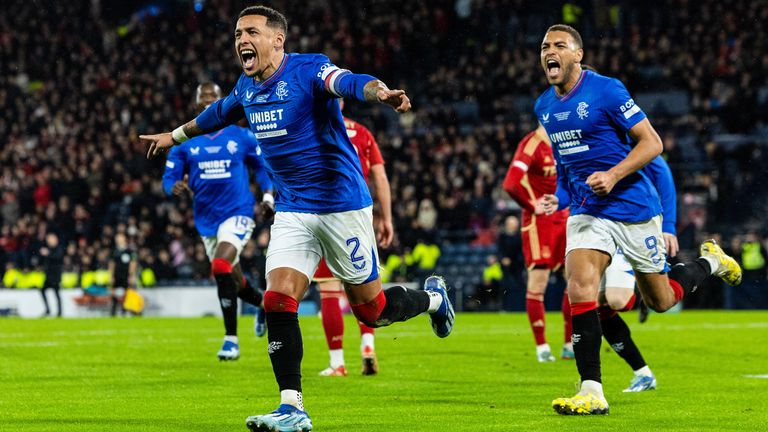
(371, 88)
(192, 129)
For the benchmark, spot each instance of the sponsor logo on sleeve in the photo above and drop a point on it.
(629, 108)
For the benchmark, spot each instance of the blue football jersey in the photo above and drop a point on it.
(300, 130)
(588, 130)
(217, 165)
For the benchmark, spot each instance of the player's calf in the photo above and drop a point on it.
(227, 290)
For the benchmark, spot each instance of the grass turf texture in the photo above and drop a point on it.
(162, 375)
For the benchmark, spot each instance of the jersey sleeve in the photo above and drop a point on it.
(174, 168)
(661, 177)
(522, 161)
(255, 160)
(620, 106)
(334, 81)
(224, 112)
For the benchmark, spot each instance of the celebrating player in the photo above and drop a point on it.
(592, 121)
(532, 174)
(329, 286)
(323, 204)
(217, 165)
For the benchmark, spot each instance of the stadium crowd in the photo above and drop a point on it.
(80, 80)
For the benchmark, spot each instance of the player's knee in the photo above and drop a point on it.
(657, 304)
(621, 302)
(220, 266)
(533, 295)
(580, 290)
(369, 313)
(278, 302)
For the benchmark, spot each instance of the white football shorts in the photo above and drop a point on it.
(236, 231)
(345, 239)
(641, 242)
(619, 274)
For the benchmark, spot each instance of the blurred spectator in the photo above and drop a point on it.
(52, 255)
(122, 271)
(510, 252)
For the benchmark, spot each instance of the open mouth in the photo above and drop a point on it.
(553, 68)
(249, 58)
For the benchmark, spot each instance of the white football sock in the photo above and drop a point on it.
(337, 358)
(435, 300)
(568, 345)
(542, 348)
(594, 387)
(644, 371)
(292, 397)
(232, 339)
(713, 263)
(366, 340)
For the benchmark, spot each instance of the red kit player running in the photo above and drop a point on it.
(532, 174)
(330, 287)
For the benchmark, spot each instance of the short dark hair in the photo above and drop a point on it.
(274, 18)
(568, 29)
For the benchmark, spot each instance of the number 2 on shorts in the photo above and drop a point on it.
(353, 255)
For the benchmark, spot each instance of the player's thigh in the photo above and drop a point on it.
(293, 252)
(231, 237)
(583, 271)
(589, 247)
(349, 246)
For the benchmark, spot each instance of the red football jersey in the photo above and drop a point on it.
(532, 172)
(365, 145)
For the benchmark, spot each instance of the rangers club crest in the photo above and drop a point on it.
(581, 110)
(281, 90)
(232, 146)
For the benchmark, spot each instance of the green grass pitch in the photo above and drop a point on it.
(162, 375)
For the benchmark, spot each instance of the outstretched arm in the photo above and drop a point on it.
(343, 83)
(219, 114)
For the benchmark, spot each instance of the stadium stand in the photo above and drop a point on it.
(79, 81)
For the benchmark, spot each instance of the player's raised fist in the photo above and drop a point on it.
(159, 143)
(601, 182)
(397, 99)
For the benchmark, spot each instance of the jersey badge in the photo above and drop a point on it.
(581, 110)
(232, 146)
(281, 90)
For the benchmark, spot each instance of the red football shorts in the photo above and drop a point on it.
(323, 273)
(544, 240)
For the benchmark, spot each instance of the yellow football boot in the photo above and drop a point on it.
(727, 268)
(586, 404)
